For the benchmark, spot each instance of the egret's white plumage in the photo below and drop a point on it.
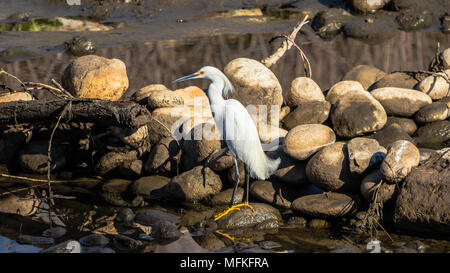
(235, 124)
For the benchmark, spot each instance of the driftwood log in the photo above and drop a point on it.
(100, 112)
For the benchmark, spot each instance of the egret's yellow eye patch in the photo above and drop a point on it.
(200, 73)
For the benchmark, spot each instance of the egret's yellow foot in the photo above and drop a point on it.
(235, 207)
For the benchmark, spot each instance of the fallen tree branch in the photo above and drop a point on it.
(100, 112)
(285, 46)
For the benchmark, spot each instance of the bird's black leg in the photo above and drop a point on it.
(247, 182)
(236, 183)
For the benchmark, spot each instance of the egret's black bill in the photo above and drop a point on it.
(188, 77)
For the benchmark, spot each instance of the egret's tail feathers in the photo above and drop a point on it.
(263, 169)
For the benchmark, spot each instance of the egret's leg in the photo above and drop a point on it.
(236, 207)
(247, 183)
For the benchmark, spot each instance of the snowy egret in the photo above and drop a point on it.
(237, 129)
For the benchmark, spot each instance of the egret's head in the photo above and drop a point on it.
(213, 74)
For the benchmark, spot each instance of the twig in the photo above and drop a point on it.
(61, 88)
(285, 46)
(305, 60)
(12, 76)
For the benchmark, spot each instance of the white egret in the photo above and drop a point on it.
(238, 131)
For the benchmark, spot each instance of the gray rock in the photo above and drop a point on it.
(329, 169)
(126, 243)
(164, 157)
(70, 246)
(407, 125)
(35, 240)
(401, 102)
(390, 134)
(434, 135)
(150, 217)
(356, 113)
(210, 241)
(290, 171)
(97, 250)
(422, 205)
(396, 79)
(33, 158)
(98, 240)
(307, 113)
(113, 160)
(126, 216)
(275, 194)
(165, 230)
(364, 154)
(364, 74)
(131, 169)
(150, 187)
(372, 185)
(54, 232)
(303, 89)
(432, 112)
(224, 197)
(246, 218)
(185, 244)
(194, 185)
(371, 29)
(326, 205)
(401, 157)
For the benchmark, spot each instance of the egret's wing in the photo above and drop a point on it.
(242, 138)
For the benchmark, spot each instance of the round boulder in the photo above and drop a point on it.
(401, 101)
(340, 88)
(435, 86)
(401, 157)
(329, 169)
(309, 112)
(364, 154)
(194, 185)
(303, 89)
(407, 125)
(164, 98)
(326, 205)
(432, 112)
(364, 74)
(434, 135)
(254, 83)
(304, 140)
(357, 112)
(96, 77)
(372, 186)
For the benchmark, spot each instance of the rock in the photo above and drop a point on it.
(197, 217)
(304, 140)
(185, 244)
(290, 172)
(303, 89)
(372, 183)
(165, 230)
(97, 250)
(112, 160)
(150, 187)
(366, 6)
(126, 243)
(15, 96)
(356, 113)
(246, 218)
(141, 96)
(116, 185)
(164, 157)
(340, 88)
(329, 22)
(93, 76)
(435, 86)
(54, 232)
(269, 244)
(273, 193)
(210, 241)
(14, 205)
(297, 221)
(254, 83)
(347, 249)
(329, 169)
(371, 29)
(271, 134)
(434, 135)
(35, 240)
(364, 154)
(203, 141)
(80, 46)
(218, 162)
(422, 205)
(194, 185)
(432, 112)
(401, 157)
(307, 113)
(425, 153)
(444, 58)
(131, 169)
(407, 125)
(224, 197)
(133, 137)
(33, 157)
(410, 20)
(396, 79)
(401, 101)
(390, 134)
(326, 205)
(94, 240)
(70, 246)
(126, 216)
(364, 74)
(284, 111)
(148, 217)
(318, 224)
(164, 98)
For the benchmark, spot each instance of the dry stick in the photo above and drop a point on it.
(12, 76)
(305, 59)
(285, 46)
(61, 88)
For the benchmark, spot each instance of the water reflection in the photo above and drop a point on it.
(7, 246)
(163, 61)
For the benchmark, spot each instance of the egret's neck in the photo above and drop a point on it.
(215, 92)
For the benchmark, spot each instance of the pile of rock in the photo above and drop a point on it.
(340, 150)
